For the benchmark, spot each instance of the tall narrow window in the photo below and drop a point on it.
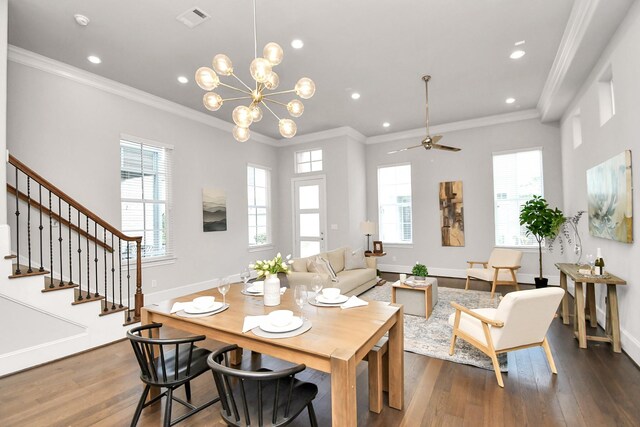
(516, 177)
(308, 161)
(145, 178)
(258, 189)
(394, 204)
(606, 96)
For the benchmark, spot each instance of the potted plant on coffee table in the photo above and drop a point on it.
(419, 271)
(541, 222)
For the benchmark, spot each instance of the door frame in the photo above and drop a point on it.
(294, 221)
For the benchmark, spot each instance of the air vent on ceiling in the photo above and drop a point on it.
(193, 17)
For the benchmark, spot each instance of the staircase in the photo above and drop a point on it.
(66, 263)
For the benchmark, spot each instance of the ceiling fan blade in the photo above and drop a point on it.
(435, 139)
(404, 149)
(444, 147)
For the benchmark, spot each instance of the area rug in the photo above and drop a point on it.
(432, 337)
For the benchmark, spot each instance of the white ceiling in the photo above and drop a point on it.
(378, 48)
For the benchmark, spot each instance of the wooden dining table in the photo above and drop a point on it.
(337, 341)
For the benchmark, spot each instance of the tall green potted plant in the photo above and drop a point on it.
(541, 222)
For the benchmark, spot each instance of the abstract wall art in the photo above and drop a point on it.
(214, 210)
(451, 213)
(610, 201)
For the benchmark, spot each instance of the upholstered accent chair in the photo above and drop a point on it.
(521, 321)
(499, 270)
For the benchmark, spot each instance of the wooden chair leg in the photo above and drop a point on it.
(456, 325)
(496, 367)
(167, 408)
(492, 353)
(493, 288)
(547, 351)
(453, 344)
(466, 286)
(140, 406)
(312, 415)
(187, 390)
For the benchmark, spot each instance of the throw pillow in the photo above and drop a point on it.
(354, 259)
(320, 265)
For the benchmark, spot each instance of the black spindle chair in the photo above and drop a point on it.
(263, 397)
(168, 364)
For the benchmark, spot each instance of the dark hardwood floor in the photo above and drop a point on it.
(594, 387)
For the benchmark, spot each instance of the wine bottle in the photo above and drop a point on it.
(601, 266)
(599, 263)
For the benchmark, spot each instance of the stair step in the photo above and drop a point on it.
(86, 297)
(10, 256)
(107, 308)
(132, 318)
(57, 285)
(24, 271)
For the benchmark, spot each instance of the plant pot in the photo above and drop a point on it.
(541, 283)
(271, 291)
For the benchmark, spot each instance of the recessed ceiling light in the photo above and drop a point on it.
(510, 100)
(81, 19)
(386, 124)
(297, 44)
(520, 43)
(94, 59)
(183, 79)
(517, 54)
(355, 95)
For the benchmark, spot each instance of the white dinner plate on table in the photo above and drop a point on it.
(296, 322)
(256, 288)
(190, 309)
(339, 300)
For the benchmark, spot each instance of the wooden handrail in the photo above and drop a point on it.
(11, 189)
(68, 199)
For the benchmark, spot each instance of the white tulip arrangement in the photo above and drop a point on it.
(277, 265)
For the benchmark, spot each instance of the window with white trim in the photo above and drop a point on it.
(517, 176)
(308, 161)
(258, 200)
(145, 183)
(394, 204)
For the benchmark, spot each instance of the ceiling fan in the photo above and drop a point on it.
(430, 141)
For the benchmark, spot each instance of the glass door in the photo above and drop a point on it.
(309, 216)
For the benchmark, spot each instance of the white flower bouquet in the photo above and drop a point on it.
(277, 265)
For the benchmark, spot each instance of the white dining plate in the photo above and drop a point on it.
(339, 300)
(296, 322)
(256, 288)
(190, 309)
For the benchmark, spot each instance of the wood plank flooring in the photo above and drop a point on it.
(595, 387)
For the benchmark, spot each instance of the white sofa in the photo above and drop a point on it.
(350, 282)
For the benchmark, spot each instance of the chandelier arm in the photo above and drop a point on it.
(235, 88)
(243, 83)
(274, 101)
(235, 99)
(255, 32)
(270, 110)
(281, 92)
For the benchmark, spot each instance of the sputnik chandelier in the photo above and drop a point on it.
(266, 81)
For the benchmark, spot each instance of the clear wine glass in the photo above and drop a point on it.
(316, 285)
(245, 275)
(300, 296)
(224, 288)
(591, 260)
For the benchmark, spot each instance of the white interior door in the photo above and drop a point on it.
(309, 216)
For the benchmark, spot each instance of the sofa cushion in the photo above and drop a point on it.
(351, 279)
(319, 265)
(336, 258)
(299, 265)
(354, 260)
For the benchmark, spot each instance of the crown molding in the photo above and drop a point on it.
(457, 126)
(57, 68)
(326, 134)
(579, 21)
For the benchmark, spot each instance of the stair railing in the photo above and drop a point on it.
(109, 246)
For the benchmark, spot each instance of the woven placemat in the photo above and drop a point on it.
(183, 313)
(301, 330)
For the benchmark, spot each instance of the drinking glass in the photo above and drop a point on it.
(316, 285)
(245, 275)
(223, 289)
(300, 296)
(591, 260)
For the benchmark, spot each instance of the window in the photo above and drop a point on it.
(258, 188)
(394, 204)
(516, 177)
(606, 97)
(309, 161)
(145, 182)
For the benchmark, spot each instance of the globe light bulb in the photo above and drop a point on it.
(295, 108)
(272, 81)
(256, 113)
(273, 53)
(222, 64)
(207, 79)
(260, 69)
(305, 88)
(242, 116)
(212, 101)
(287, 128)
(241, 134)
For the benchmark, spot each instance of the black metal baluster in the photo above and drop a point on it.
(41, 227)
(88, 266)
(120, 267)
(51, 285)
(29, 269)
(106, 299)
(113, 277)
(80, 298)
(128, 283)
(70, 282)
(60, 237)
(95, 254)
(17, 227)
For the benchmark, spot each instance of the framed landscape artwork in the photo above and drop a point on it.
(214, 210)
(451, 213)
(610, 199)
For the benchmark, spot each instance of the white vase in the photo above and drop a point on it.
(272, 290)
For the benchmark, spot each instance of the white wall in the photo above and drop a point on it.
(473, 166)
(69, 132)
(4, 16)
(600, 143)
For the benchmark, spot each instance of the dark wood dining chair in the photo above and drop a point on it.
(262, 397)
(168, 364)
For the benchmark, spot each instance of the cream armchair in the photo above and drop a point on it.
(521, 320)
(500, 269)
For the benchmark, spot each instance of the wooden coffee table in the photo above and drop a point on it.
(406, 295)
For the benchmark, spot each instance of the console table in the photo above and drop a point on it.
(612, 328)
